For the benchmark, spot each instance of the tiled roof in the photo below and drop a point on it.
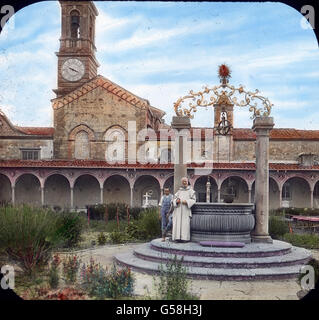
(39, 131)
(104, 164)
(100, 81)
(238, 134)
(277, 134)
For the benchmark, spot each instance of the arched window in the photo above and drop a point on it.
(91, 27)
(82, 145)
(75, 24)
(115, 147)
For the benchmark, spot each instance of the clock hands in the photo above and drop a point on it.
(73, 69)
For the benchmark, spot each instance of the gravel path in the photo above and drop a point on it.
(208, 290)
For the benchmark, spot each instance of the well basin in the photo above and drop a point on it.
(222, 222)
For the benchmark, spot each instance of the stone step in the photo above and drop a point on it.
(294, 257)
(219, 274)
(249, 250)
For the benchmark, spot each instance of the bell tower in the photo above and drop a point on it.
(77, 63)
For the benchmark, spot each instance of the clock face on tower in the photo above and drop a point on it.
(72, 69)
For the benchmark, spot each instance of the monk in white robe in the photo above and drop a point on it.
(183, 200)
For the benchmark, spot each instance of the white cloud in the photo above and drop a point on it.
(106, 22)
(145, 37)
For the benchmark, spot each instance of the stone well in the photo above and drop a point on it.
(222, 222)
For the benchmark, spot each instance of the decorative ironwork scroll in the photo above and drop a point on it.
(223, 94)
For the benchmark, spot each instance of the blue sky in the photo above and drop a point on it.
(160, 51)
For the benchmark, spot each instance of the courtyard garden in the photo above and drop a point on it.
(46, 248)
(54, 252)
(283, 227)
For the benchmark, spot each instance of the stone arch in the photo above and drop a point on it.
(116, 188)
(232, 175)
(169, 183)
(75, 23)
(274, 193)
(200, 189)
(296, 191)
(75, 11)
(86, 191)
(116, 127)
(116, 145)
(81, 127)
(143, 184)
(28, 189)
(57, 191)
(238, 186)
(5, 189)
(80, 138)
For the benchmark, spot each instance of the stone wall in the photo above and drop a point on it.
(283, 150)
(10, 148)
(96, 111)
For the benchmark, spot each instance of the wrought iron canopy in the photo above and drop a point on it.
(223, 94)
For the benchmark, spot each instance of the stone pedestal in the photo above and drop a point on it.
(262, 127)
(181, 125)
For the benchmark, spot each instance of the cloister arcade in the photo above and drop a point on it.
(76, 188)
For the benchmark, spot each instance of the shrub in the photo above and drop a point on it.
(172, 283)
(298, 211)
(118, 237)
(71, 266)
(101, 239)
(135, 212)
(277, 227)
(97, 281)
(70, 227)
(309, 241)
(149, 224)
(28, 234)
(134, 232)
(98, 211)
(54, 272)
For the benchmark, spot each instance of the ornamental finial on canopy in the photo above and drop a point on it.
(260, 106)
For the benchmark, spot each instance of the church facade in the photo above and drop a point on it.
(109, 145)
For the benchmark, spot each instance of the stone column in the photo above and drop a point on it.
(101, 195)
(208, 191)
(72, 205)
(13, 195)
(131, 197)
(280, 196)
(42, 196)
(262, 127)
(218, 195)
(311, 198)
(180, 164)
(249, 195)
